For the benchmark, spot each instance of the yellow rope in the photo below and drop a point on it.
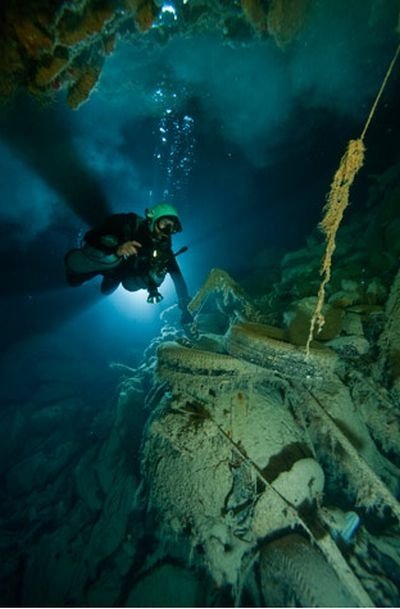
(378, 97)
(337, 201)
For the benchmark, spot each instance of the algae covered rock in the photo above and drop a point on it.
(298, 321)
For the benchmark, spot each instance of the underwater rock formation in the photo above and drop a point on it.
(244, 449)
(229, 467)
(47, 46)
(263, 461)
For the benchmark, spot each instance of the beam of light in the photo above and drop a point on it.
(43, 140)
(134, 304)
(117, 322)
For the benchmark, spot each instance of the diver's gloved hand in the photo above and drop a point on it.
(154, 297)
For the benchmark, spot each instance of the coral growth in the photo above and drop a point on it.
(49, 70)
(108, 44)
(83, 86)
(144, 13)
(286, 19)
(282, 20)
(32, 38)
(31, 34)
(255, 13)
(74, 28)
(145, 16)
(42, 42)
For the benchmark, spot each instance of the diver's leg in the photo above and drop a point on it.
(132, 283)
(85, 263)
(75, 274)
(109, 283)
(76, 279)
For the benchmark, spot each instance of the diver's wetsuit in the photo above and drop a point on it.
(146, 270)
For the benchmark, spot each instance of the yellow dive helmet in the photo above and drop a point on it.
(162, 210)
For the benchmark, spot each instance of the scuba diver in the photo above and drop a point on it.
(133, 251)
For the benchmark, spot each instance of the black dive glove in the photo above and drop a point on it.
(154, 296)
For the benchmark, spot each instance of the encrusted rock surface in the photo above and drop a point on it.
(48, 46)
(247, 444)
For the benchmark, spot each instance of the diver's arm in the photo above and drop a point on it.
(181, 290)
(127, 249)
(113, 234)
(106, 236)
(179, 283)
